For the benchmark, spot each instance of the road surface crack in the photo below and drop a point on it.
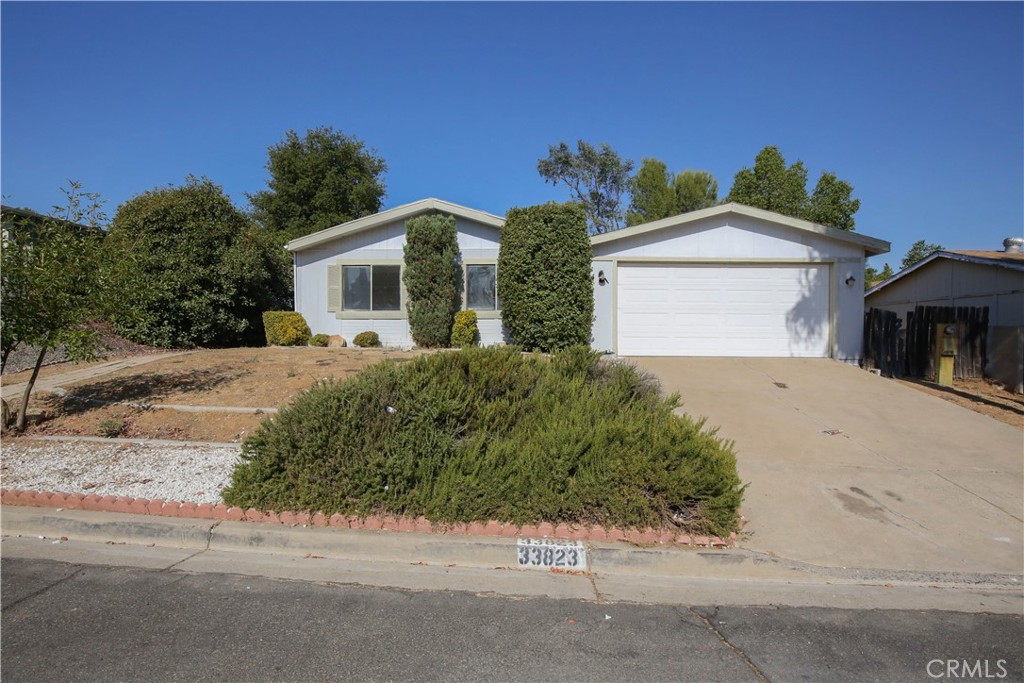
(45, 588)
(725, 641)
(209, 539)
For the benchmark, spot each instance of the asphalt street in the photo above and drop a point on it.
(77, 622)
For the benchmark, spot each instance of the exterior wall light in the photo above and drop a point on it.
(601, 279)
(850, 281)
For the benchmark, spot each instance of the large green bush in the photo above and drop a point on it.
(431, 277)
(484, 434)
(547, 298)
(191, 269)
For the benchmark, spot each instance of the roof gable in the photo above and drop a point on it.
(396, 214)
(995, 259)
(871, 245)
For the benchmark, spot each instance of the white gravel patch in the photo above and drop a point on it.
(183, 473)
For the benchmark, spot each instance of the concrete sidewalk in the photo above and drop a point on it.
(618, 572)
(911, 482)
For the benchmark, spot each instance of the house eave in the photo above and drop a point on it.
(390, 215)
(871, 245)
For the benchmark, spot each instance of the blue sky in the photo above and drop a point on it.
(920, 106)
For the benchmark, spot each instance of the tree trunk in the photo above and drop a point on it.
(5, 416)
(23, 415)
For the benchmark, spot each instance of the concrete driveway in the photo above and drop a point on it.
(912, 482)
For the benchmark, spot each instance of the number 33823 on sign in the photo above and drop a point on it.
(544, 553)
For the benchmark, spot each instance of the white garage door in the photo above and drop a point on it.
(723, 310)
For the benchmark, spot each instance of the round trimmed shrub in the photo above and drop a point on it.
(319, 340)
(368, 339)
(547, 297)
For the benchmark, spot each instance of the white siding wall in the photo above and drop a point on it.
(732, 238)
(386, 242)
(604, 301)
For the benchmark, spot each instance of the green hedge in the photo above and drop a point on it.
(547, 298)
(484, 434)
(285, 328)
(320, 340)
(431, 278)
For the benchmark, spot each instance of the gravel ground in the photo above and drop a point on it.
(24, 358)
(182, 473)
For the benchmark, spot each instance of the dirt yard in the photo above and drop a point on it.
(245, 378)
(978, 395)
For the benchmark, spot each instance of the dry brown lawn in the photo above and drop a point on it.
(979, 395)
(247, 377)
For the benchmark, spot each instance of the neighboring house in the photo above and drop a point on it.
(729, 280)
(26, 219)
(968, 278)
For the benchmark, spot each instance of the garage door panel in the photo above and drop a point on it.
(723, 310)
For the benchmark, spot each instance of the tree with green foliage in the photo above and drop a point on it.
(544, 276)
(431, 278)
(832, 203)
(597, 179)
(695, 190)
(919, 251)
(49, 281)
(771, 185)
(654, 197)
(195, 271)
(872, 276)
(317, 181)
(658, 194)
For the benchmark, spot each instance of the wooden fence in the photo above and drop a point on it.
(897, 354)
(885, 347)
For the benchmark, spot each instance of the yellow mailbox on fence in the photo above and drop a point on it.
(946, 346)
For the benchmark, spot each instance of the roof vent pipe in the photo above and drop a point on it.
(1012, 245)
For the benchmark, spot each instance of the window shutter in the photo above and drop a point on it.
(334, 288)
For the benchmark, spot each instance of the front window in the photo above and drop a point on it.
(481, 288)
(371, 288)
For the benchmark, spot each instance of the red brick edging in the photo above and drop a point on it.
(173, 508)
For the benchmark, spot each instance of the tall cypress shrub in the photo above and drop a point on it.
(547, 298)
(431, 278)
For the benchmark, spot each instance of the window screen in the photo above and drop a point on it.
(355, 288)
(371, 288)
(387, 288)
(481, 292)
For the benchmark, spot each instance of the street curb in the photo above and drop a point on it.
(173, 508)
(378, 548)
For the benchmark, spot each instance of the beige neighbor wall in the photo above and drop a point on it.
(946, 282)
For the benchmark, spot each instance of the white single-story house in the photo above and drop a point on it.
(729, 280)
(952, 277)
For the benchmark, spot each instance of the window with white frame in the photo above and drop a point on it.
(371, 288)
